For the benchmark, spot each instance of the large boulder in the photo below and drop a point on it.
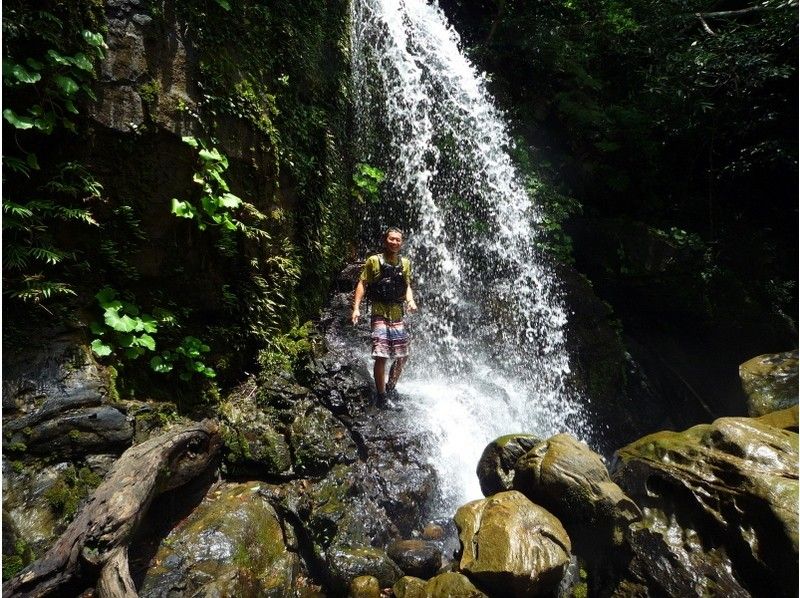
(512, 546)
(570, 480)
(770, 382)
(496, 465)
(232, 544)
(721, 509)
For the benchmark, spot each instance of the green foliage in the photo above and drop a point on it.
(188, 355)
(291, 352)
(366, 181)
(20, 558)
(48, 69)
(127, 334)
(680, 114)
(217, 203)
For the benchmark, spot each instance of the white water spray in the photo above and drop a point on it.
(488, 350)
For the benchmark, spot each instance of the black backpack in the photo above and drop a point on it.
(391, 284)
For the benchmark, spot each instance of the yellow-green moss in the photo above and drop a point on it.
(71, 487)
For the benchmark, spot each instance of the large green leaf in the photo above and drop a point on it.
(229, 200)
(119, 323)
(146, 341)
(20, 122)
(183, 209)
(67, 84)
(105, 296)
(100, 348)
(23, 75)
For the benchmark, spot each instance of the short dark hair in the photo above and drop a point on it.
(392, 229)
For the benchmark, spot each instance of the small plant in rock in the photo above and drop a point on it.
(217, 204)
(188, 355)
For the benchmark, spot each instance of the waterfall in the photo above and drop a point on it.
(488, 354)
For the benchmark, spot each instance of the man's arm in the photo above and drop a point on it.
(412, 306)
(357, 301)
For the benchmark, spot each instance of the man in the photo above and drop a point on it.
(386, 278)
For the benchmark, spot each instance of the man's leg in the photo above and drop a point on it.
(395, 371)
(379, 371)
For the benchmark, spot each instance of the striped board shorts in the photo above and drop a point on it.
(389, 339)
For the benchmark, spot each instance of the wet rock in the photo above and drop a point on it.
(451, 585)
(71, 433)
(345, 563)
(232, 544)
(417, 558)
(720, 504)
(365, 586)
(570, 480)
(58, 374)
(402, 478)
(785, 419)
(409, 587)
(319, 440)
(496, 465)
(40, 500)
(512, 546)
(770, 382)
(253, 443)
(336, 510)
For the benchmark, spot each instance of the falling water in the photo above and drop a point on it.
(489, 353)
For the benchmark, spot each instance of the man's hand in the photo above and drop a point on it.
(412, 307)
(355, 315)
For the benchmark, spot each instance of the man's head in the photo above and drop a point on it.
(393, 240)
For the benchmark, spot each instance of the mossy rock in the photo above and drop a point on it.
(496, 466)
(450, 585)
(232, 544)
(319, 440)
(365, 586)
(512, 546)
(770, 382)
(721, 502)
(569, 479)
(409, 587)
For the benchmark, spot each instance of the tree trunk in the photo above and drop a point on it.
(96, 541)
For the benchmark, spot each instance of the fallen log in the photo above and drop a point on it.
(95, 545)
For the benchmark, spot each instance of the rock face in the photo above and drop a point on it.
(720, 504)
(770, 382)
(511, 546)
(55, 401)
(446, 585)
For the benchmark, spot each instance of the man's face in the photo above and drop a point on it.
(393, 242)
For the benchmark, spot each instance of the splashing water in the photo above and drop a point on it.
(488, 355)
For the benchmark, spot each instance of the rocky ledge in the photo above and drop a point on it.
(310, 491)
